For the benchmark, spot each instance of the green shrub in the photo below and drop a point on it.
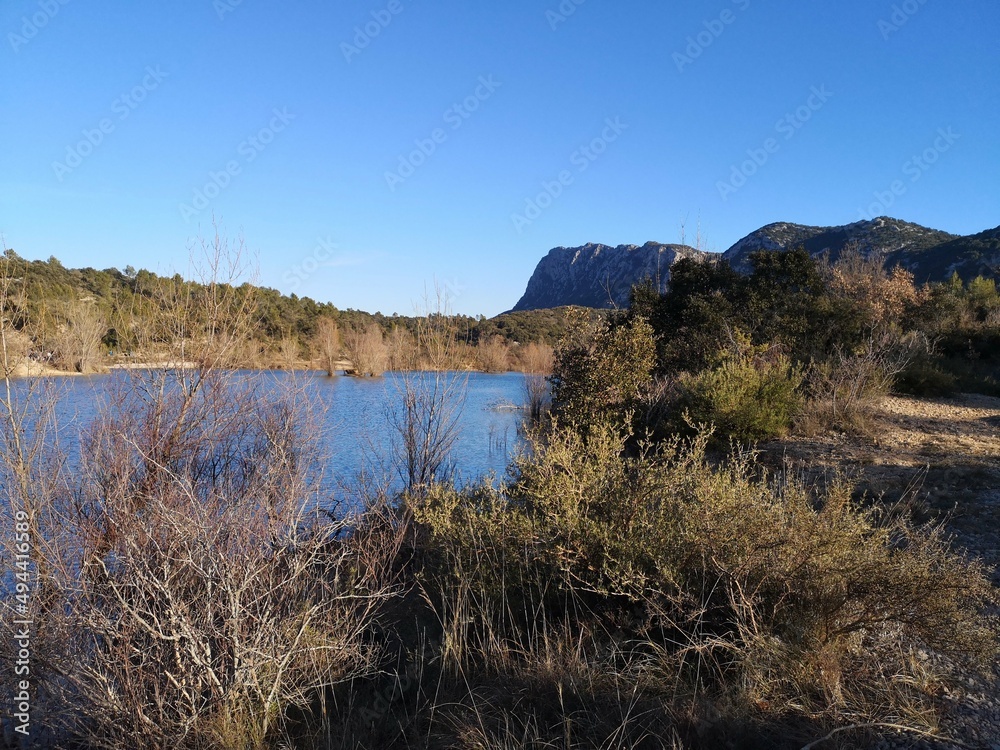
(925, 377)
(603, 373)
(750, 394)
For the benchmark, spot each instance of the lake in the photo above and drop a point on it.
(354, 417)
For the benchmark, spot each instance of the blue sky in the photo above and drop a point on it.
(328, 136)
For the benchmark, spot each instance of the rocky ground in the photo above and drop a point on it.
(942, 457)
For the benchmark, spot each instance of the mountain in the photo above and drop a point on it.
(930, 254)
(599, 275)
(975, 255)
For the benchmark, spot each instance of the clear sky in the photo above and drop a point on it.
(366, 148)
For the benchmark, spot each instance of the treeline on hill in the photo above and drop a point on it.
(192, 583)
(83, 319)
(796, 342)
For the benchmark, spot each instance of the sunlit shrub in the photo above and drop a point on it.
(751, 393)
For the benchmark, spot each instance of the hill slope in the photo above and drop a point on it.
(930, 254)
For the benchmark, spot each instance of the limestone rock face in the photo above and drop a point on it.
(599, 275)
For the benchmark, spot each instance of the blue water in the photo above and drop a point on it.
(352, 417)
(360, 432)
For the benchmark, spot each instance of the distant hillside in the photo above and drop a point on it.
(47, 290)
(930, 254)
(549, 325)
(975, 255)
(598, 275)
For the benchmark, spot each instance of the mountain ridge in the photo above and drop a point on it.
(598, 275)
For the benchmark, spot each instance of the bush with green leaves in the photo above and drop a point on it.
(603, 373)
(750, 393)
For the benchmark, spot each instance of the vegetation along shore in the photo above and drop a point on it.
(757, 509)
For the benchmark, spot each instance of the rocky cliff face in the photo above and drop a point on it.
(599, 275)
(602, 276)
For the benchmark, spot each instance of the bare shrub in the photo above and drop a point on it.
(32, 468)
(881, 296)
(187, 592)
(79, 341)
(536, 362)
(403, 353)
(492, 354)
(846, 388)
(366, 349)
(425, 422)
(425, 418)
(210, 599)
(327, 343)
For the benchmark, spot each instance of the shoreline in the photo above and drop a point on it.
(38, 370)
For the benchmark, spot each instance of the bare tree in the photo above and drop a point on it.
(288, 352)
(403, 353)
(80, 339)
(367, 350)
(437, 333)
(425, 417)
(201, 324)
(492, 354)
(327, 343)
